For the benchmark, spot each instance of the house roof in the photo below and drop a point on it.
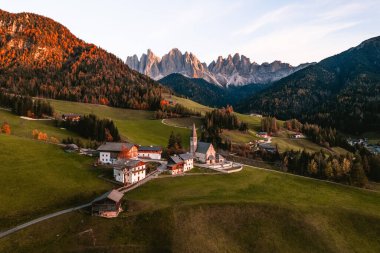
(203, 147)
(113, 195)
(127, 163)
(72, 146)
(186, 156)
(114, 146)
(71, 115)
(150, 148)
(267, 146)
(174, 159)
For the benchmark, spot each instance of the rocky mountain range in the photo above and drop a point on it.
(233, 70)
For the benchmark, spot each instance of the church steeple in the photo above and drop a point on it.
(194, 131)
(193, 140)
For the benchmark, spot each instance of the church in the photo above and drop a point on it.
(202, 151)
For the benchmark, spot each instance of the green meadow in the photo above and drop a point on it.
(38, 178)
(249, 211)
(135, 126)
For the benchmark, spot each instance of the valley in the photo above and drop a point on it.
(263, 207)
(170, 154)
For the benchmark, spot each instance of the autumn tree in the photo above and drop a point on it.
(124, 153)
(42, 136)
(312, 167)
(6, 128)
(35, 134)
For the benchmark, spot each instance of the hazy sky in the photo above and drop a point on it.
(264, 31)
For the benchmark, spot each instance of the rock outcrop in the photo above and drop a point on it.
(236, 70)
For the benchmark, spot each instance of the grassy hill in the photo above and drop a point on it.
(23, 128)
(38, 178)
(134, 125)
(250, 211)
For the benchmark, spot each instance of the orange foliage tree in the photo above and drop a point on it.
(39, 135)
(35, 133)
(42, 136)
(124, 153)
(108, 135)
(6, 128)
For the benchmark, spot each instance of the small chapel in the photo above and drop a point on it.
(202, 151)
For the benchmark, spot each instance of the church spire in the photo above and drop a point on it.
(194, 131)
(193, 141)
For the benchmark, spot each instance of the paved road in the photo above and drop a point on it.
(32, 222)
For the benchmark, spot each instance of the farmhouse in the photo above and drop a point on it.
(297, 136)
(175, 165)
(188, 163)
(108, 205)
(151, 152)
(267, 147)
(202, 151)
(129, 171)
(71, 117)
(262, 134)
(110, 152)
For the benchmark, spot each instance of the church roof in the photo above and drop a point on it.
(203, 147)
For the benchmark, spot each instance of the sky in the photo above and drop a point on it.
(264, 31)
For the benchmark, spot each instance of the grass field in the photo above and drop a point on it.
(249, 211)
(184, 122)
(38, 178)
(23, 128)
(136, 126)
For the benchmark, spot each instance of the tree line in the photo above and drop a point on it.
(215, 121)
(347, 169)
(26, 106)
(91, 127)
(324, 136)
(174, 111)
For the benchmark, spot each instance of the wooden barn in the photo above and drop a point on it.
(108, 205)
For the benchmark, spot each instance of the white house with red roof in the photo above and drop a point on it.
(129, 171)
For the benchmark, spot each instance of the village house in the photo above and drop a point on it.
(267, 147)
(188, 161)
(129, 171)
(175, 165)
(108, 205)
(202, 151)
(71, 117)
(262, 135)
(110, 152)
(297, 136)
(150, 152)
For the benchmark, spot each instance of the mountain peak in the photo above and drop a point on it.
(233, 70)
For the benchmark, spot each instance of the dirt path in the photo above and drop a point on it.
(52, 215)
(46, 217)
(163, 122)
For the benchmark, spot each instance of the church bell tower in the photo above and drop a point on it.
(193, 141)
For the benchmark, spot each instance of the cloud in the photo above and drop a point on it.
(266, 19)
